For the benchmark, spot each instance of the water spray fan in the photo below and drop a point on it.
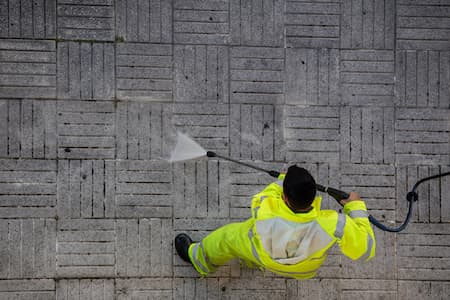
(187, 149)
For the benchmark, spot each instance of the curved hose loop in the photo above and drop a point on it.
(412, 197)
(393, 229)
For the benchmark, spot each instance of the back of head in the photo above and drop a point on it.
(299, 187)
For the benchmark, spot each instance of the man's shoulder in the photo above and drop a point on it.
(327, 214)
(327, 219)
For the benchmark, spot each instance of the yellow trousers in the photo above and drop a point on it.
(221, 245)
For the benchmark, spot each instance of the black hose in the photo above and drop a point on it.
(393, 229)
(428, 178)
(411, 197)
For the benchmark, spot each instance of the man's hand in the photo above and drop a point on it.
(353, 196)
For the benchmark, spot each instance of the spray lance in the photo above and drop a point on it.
(335, 193)
(339, 195)
(187, 149)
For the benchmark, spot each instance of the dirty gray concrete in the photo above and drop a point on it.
(92, 92)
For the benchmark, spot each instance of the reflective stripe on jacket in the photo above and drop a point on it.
(296, 244)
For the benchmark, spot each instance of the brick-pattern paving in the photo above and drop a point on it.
(92, 93)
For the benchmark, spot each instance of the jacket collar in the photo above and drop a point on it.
(312, 214)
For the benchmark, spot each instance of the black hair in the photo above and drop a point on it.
(299, 187)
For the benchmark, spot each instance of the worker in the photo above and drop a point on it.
(288, 234)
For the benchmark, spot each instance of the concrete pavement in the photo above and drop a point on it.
(92, 92)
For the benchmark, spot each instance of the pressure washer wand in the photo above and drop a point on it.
(270, 172)
(339, 195)
(335, 193)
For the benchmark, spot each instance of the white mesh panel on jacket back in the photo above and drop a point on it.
(289, 242)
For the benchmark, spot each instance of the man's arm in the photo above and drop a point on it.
(358, 239)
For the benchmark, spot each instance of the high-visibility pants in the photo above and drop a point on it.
(221, 245)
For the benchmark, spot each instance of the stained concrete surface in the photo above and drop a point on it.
(92, 92)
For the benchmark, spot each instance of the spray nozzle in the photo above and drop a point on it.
(211, 154)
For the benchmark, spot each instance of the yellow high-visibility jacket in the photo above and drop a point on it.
(296, 244)
(287, 243)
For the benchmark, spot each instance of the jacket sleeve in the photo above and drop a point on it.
(354, 232)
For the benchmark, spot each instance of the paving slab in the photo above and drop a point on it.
(201, 74)
(28, 19)
(142, 248)
(256, 75)
(86, 189)
(367, 77)
(412, 147)
(256, 23)
(422, 78)
(368, 24)
(208, 22)
(85, 129)
(86, 70)
(312, 76)
(144, 21)
(28, 248)
(85, 20)
(28, 188)
(144, 72)
(85, 289)
(85, 248)
(143, 189)
(422, 25)
(28, 128)
(312, 24)
(28, 289)
(28, 68)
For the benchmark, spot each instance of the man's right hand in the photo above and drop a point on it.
(353, 196)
